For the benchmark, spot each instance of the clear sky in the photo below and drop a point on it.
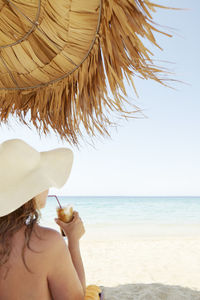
(157, 155)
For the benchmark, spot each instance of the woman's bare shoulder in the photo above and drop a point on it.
(48, 235)
(45, 244)
(43, 229)
(53, 243)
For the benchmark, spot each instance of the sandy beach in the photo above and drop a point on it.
(143, 262)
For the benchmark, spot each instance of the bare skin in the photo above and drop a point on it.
(54, 277)
(41, 199)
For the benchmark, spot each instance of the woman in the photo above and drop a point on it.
(35, 262)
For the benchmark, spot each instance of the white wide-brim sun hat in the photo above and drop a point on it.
(25, 172)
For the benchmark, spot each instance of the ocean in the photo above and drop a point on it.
(128, 210)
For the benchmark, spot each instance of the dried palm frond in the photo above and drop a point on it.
(55, 58)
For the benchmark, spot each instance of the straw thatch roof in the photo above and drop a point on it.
(55, 57)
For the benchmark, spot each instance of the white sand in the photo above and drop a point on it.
(141, 262)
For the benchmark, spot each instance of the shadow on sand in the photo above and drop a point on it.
(153, 291)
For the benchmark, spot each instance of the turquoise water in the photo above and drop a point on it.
(129, 210)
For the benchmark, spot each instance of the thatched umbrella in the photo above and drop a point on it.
(55, 57)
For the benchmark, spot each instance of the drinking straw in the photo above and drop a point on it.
(62, 232)
(56, 199)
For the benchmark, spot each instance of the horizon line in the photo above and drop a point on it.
(129, 196)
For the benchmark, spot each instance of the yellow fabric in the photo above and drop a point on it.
(92, 292)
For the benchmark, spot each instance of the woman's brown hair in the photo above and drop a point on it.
(27, 214)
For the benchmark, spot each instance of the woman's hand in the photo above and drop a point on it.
(74, 230)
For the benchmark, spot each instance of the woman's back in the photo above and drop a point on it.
(55, 277)
(16, 283)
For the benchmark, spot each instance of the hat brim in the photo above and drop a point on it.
(53, 170)
(57, 165)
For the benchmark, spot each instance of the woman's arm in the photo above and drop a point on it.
(62, 277)
(74, 230)
(74, 249)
